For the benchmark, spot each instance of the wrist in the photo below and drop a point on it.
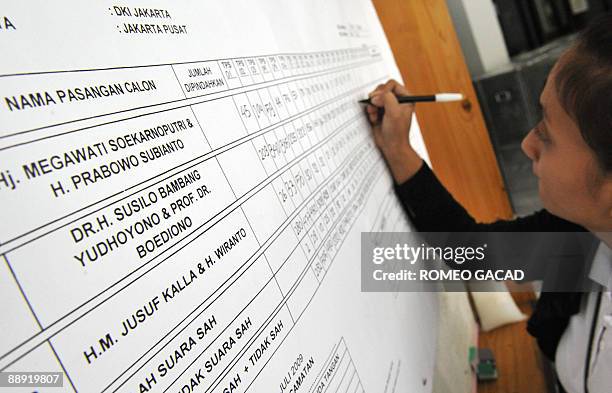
(403, 162)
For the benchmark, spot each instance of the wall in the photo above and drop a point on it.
(457, 332)
(480, 34)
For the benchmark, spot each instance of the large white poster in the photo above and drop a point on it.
(183, 187)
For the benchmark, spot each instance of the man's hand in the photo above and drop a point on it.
(391, 130)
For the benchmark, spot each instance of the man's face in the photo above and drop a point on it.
(570, 183)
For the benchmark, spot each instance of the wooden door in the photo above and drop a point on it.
(429, 56)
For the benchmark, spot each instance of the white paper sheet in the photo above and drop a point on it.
(183, 186)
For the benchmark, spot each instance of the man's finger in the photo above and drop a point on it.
(376, 100)
(373, 117)
(390, 103)
(400, 90)
(388, 86)
(377, 90)
(396, 88)
(372, 114)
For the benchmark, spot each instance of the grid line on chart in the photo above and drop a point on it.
(304, 154)
(275, 312)
(324, 381)
(279, 230)
(230, 207)
(192, 162)
(284, 301)
(255, 84)
(184, 62)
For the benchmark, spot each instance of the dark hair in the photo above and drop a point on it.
(584, 86)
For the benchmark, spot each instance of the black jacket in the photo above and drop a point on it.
(431, 208)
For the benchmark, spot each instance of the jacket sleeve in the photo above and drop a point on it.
(563, 249)
(431, 208)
